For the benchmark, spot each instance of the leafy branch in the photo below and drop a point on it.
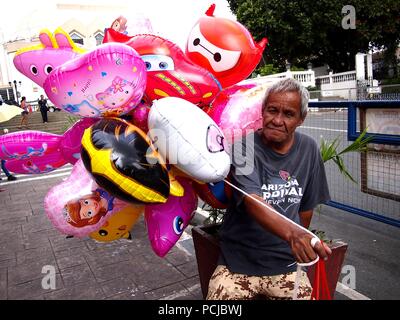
(329, 151)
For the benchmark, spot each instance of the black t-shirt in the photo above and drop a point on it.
(291, 183)
(43, 104)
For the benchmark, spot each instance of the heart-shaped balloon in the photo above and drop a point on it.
(78, 206)
(95, 85)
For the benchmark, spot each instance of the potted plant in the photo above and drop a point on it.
(206, 241)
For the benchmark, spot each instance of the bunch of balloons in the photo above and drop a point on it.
(154, 127)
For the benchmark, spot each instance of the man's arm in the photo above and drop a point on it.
(299, 239)
(305, 218)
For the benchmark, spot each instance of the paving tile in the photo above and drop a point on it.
(6, 223)
(174, 291)
(70, 261)
(134, 294)
(11, 246)
(178, 257)
(116, 270)
(194, 287)
(78, 292)
(3, 283)
(101, 258)
(29, 255)
(122, 285)
(34, 240)
(154, 272)
(61, 243)
(29, 271)
(77, 274)
(189, 269)
(32, 290)
(71, 251)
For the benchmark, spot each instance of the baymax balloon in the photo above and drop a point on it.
(78, 206)
(37, 62)
(189, 139)
(166, 222)
(124, 162)
(224, 47)
(108, 81)
(169, 72)
(119, 225)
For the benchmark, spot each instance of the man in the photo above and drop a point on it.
(260, 248)
(43, 108)
(9, 176)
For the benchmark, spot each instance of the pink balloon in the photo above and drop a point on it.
(166, 222)
(71, 140)
(77, 206)
(140, 115)
(36, 165)
(108, 81)
(28, 144)
(237, 109)
(38, 61)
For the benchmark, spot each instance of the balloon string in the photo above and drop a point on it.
(299, 265)
(270, 208)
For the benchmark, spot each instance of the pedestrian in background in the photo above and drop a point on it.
(25, 111)
(43, 108)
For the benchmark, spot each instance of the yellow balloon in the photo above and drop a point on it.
(118, 226)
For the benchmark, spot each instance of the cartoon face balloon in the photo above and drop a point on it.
(78, 206)
(38, 61)
(189, 139)
(119, 225)
(169, 72)
(224, 47)
(124, 162)
(108, 81)
(166, 222)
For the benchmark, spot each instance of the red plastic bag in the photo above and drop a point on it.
(320, 283)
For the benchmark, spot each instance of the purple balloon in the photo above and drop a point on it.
(166, 222)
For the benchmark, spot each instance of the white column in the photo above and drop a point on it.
(360, 66)
(369, 67)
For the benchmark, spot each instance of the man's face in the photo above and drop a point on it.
(281, 117)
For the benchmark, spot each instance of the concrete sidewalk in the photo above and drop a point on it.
(85, 269)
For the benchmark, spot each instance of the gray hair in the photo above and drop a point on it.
(287, 85)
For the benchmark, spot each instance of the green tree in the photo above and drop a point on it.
(311, 31)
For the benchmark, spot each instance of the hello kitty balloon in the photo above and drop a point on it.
(108, 81)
